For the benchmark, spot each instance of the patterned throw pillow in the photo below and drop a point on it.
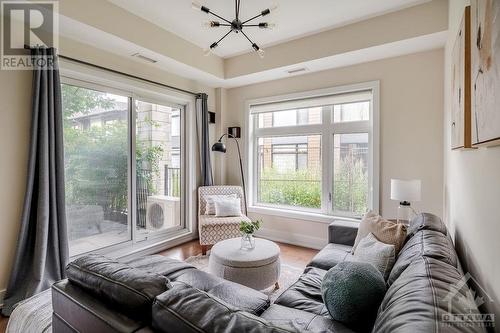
(385, 231)
(379, 254)
(210, 200)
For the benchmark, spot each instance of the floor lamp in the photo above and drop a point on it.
(221, 147)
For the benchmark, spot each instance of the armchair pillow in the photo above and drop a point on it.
(227, 207)
(210, 200)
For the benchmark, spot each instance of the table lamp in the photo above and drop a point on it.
(405, 191)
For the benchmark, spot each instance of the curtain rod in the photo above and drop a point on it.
(128, 75)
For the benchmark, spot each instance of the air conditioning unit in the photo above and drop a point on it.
(162, 212)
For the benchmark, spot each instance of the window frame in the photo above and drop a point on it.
(101, 80)
(326, 129)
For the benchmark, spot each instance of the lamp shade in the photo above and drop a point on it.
(406, 190)
(219, 146)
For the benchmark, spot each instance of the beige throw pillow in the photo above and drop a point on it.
(379, 254)
(385, 231)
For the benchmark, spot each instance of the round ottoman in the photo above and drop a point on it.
(257, 268)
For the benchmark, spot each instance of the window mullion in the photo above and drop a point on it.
(288, 130)
(132, 168)
(326, 193)
(352, 127)
(255, 160)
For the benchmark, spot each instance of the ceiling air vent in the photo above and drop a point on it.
(296, 70)
(143, 57)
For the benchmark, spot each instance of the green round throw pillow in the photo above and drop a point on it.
(352, 293)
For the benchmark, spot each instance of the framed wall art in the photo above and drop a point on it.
(485, 67)
(461, 86)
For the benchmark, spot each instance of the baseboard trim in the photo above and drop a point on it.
(292, 238)
(153, 249)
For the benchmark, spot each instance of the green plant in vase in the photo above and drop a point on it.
(248, 229)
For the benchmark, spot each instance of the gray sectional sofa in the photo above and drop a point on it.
(159, 294)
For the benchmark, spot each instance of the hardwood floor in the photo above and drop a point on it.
(3, 323)
(290, 254)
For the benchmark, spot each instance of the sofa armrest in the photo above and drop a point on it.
(76, 308)
(342, 232)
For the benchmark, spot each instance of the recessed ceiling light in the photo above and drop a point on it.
(297, 70)
(143, 57)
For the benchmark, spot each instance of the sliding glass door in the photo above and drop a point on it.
(121, 151)
(158, 157)
(96, 168)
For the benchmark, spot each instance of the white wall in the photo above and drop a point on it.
(472, 193)
(15, 120)
(411, 137)
(15, 117)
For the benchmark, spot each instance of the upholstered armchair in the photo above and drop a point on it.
(213, 229)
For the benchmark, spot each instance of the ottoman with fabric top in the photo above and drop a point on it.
(257, 268)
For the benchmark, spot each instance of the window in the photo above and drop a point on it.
(315, 153)
(290, 174)
(351, 111)
(350, 172)
(96, 167)
(121, 151)
(289, 117)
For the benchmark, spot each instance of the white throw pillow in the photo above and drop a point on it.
(379, 254)
(227, 207)
(210, 202)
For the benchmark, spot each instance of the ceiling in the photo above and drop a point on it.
(294, 18)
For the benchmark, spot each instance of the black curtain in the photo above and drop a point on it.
(202, 125)
(42, 245)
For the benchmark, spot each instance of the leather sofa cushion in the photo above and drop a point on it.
(420, 298)
(331, 255)
(128, 289)
(429, 243)
(294, 319)
(305, 294)
(186, 309)
(426, 221)
(237, 295)
(161, 265)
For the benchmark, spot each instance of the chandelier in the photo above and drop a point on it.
(236, 25)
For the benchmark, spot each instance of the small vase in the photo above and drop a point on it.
(247, 242)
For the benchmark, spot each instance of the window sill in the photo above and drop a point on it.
(299, 215)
